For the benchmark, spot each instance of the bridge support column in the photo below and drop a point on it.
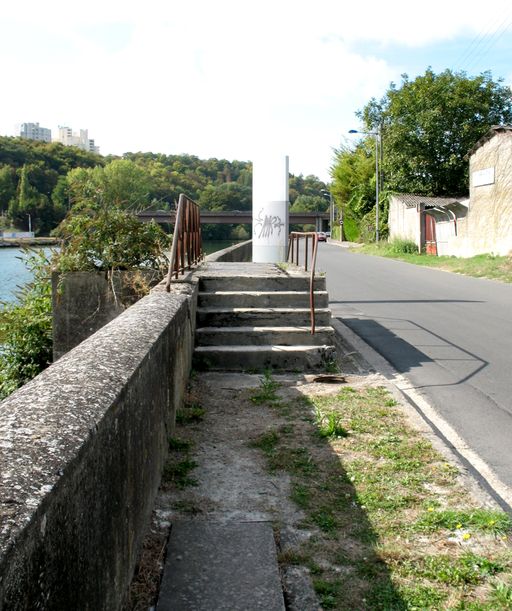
(270, 209)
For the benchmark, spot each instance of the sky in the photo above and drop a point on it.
(232, 79)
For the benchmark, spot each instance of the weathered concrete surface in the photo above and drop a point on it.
(221, 566)
(262, 299)
(81, 452)
(490, 212)
(83, 302)
(238, 252)
(234, 485)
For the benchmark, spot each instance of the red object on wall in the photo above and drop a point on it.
(430, 235)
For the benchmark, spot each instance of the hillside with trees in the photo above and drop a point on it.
(45, 181)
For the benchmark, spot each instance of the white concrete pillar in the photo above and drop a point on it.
(270, 209)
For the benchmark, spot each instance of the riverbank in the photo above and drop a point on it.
(26, 242)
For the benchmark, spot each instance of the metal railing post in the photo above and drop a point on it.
(294, 239)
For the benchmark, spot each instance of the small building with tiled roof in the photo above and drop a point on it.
(432, 223)
(460, 226)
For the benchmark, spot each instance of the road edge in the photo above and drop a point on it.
(452, 442)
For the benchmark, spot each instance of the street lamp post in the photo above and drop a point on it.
(377, 178)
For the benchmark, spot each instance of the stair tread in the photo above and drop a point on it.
(265, 347)
(228, 309)
(201, 293)
(248, 328)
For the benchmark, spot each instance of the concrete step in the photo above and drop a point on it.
(260, 317)
(245, 358)
(262, 299)
(214, 567)
(285, 282)
(257, 336)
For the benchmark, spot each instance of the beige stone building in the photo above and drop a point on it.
(462, 227)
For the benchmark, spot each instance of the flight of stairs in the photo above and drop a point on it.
(253, 317)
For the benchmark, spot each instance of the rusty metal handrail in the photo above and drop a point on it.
(294, 240)
(187, 243)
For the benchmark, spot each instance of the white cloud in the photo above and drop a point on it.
(223, 78)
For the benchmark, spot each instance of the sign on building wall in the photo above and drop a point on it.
(483, 177)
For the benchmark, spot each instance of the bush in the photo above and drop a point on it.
(403, 247)
(109, 239)
(26, 329)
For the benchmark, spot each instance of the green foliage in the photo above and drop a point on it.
(468, 569)
(399, 246)
(353, 178)
(330, 424)
(308, 185)
(482, 520)
(227, 196)
(310, 203)
(190, 414)
(7, 186)
(109, 239)
(429, 124)
(120, 183)
(26, 329)
(266, 393)
(30, 171)
(178, 473)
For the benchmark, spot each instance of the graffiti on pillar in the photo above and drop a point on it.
(267, 225)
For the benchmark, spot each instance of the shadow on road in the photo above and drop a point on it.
(461, 364)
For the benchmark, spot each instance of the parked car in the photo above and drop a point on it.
(328, 234)
(321, 236)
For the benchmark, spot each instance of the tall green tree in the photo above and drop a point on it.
(227, 196)
(121, 183)
(430, 123)
(7, 186)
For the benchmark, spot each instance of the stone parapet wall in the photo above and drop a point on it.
(238, 253)
(83, 302)
(81, 453)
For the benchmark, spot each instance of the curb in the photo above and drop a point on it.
(451, 441)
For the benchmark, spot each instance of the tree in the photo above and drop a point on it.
(310, 203)
(7, 186)
(121, 183)
(227, 196)
(429, 124)
(353, 184)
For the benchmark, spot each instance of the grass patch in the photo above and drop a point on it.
(179, 444)
(329, 424)
(266, 393)
(469, 569)
(479, 520)
(190, 414)
(328, 592)
(389, 517)
(480, 266)
(178, 473)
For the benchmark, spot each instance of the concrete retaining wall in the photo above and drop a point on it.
(81, 452)
(239, 253)
(83, 302)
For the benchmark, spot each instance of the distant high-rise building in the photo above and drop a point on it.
(81, 140)
(32, 131)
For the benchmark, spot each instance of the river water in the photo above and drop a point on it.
(14, 273)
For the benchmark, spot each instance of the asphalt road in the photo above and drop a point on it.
(449, 335)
